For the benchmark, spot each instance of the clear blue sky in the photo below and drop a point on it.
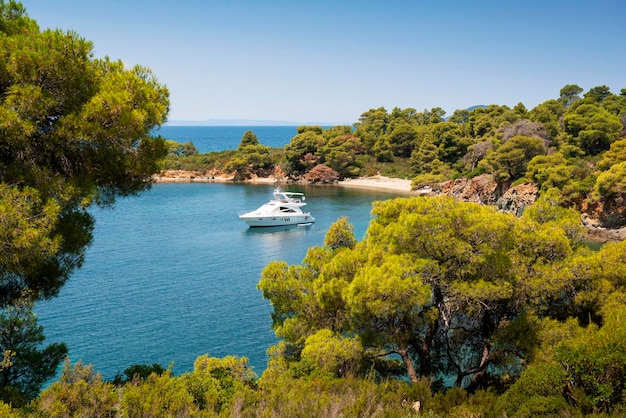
(330, 61)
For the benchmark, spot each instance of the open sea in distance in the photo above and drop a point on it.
(221, 138)
(172, 273)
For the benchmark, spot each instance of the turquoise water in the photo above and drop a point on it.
(221, 138)
(172, 275)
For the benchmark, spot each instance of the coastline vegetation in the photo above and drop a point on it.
(444, 308)
(572, 148)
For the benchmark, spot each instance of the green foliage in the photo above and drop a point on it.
(157, 396)
(590, 126)
(316, 129)
(250, 158)
(79, 392)
(438, 170)
(216, 387)
(73, 130)
(598, 93)
(460, 116)
(570, 93)
(511, 159)
(547, 213)
(29, 365)
(612, 182)
(426, 267)
(484, 122)
(402, 140)
(239, 166)
(257, 156)
(331, 353)
(371, 126)
(27, 232)
(383, 154)
(427, 180)
(215, 384)
(340, 151)
(615, 155)
(593, 281)
(451, 140)
(342, 154)
(181, 150)
(189, 148)
(13, 19)
(405, 143)
(335, 147)
(249, 138)
(201, 162)
(7, 412)
(595, 364)
(340, 235)
(422, 157)
(339, 397)
(326, 308)
(301, 151)
(539, 391)
(549, 114)
(138, 371)
(571, 176)
(437, 291)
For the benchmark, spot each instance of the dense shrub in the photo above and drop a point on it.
(322, 174)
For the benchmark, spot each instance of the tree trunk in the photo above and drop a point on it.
(478, 379)
(423, 347)
(408, 363)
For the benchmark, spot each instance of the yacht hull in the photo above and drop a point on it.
(290, 219)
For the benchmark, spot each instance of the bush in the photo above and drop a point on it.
(79, 392)
(611, 183)
(542, 381)
(138, 371)
(157, 396)
(323, 174)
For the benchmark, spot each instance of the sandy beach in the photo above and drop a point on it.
(379, 182)
(373, 182)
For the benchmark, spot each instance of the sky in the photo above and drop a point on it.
(330, 61)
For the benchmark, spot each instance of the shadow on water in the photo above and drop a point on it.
(282, 229)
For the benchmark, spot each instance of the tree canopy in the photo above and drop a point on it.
(73, 130)
(446, 286)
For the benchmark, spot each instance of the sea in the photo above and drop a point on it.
(222, 138)
(172, 273)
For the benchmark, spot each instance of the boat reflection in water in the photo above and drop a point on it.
(277, 242)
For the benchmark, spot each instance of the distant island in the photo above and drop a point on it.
(247, 122)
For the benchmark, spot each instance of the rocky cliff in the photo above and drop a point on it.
(604, 220)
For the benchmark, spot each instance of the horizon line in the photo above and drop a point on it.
(249, 122)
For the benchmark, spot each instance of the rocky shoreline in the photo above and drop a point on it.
(479, 189)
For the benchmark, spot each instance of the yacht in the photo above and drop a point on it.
(284, 209)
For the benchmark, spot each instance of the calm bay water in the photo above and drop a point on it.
(221, 138)
(172, 275)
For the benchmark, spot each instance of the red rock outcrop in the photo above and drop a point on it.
(516, 198)
(481, 189)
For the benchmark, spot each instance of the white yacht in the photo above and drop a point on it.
(284, 209)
